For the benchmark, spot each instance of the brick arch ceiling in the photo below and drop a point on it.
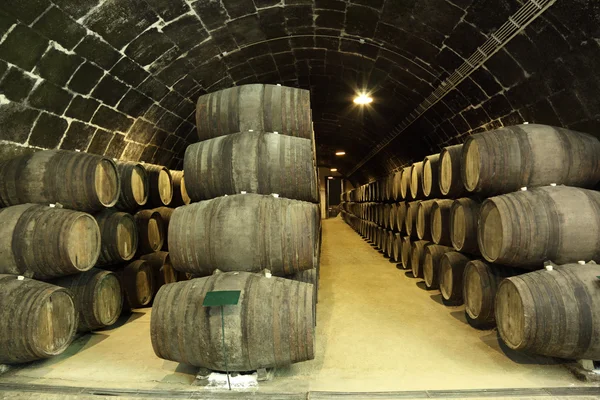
(153, 59)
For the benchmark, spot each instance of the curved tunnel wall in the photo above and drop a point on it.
(120, 77)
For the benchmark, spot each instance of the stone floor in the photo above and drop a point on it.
(378, 330)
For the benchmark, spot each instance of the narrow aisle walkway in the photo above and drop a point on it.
(379, 330)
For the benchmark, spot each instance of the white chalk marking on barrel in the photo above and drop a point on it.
(275, 195)
(250, 130)
(581, 262)
(52, 205)
(243, 192)
(553, 184)
(524, 189)
(20, 277)
(549, 268)
(277, 133)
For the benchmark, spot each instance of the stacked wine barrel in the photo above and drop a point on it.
(474, 220)
(253, 225)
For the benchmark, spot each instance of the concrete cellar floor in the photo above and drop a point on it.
(378, 331)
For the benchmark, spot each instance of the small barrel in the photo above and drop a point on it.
(246, 232)
(430, 179)
(405, 183)
(165, 214)
(526, 228)
(119, 235)
(47, 242)
(257, 107)
(134, 186)
(79, 181)
(410, 220)
(137, 280)
(163, 270)
(405, 252)
(452, 267)
(431, 264)
(97, 295)
(480, 283)
(417, 257)
(416, 173)
(423, 222)
(552, 313)
(308, 276)
(440, 222)
(161, 185)
(277, 164)
(464, 216)
(273, 324)
(397, 248)
(504, 160)
(449, 166)
(180, 194)
(151, 231)
(37, 320)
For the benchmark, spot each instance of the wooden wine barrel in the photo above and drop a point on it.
(165, 214)
(397, 248)
(423, 221)
(526, 228)
(431, 264)
(450, 166)
(431, 180)
(134, 186)
(464, 216)
(309, 276)
(410, 220)
(255, 107)
(137, 281)
(37, 320)
(97, 295)
(504, 160)
(416, 173)
(161, 185)
(151, 231)
(163, 270)
(45, 242)
(277, 164)
(405, 183)
(396, 186)
(417, 257)
(79, 181)
(119, 236)
(480, 283)
(452, 267)
(552, 313)
(440, 222)
(262, 331)
(246, 232)
(405, 252)
(180, 194)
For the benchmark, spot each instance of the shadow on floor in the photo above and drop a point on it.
(409, 274)
(460, 316)
(125, 318)
(421, 285)
(493, 341)
(437, 298)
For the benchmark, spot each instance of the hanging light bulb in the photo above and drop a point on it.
(363, 99)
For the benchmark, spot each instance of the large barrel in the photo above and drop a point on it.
(37, 320)
(151, 231)
(504, 160)
(180, 194)
(137, 281)
(97, 295)
(163, 271)
(161, 185)
(119, 236)
(271, 326)
(552, 313)
(452, 267)
(165, 214)
(410, 219)
(79, 181)
(417, 257)
(252, 162)
(431, 264)
(423, 222)
(255, 107)
(480, 283)
(440, 222)
(246, 232)
(405, 252)
(46, 242)
(405, 183)
(416, 187)
(526, 228)
(430, 179)
(450, 166)
(464, 216)
(134, 186)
